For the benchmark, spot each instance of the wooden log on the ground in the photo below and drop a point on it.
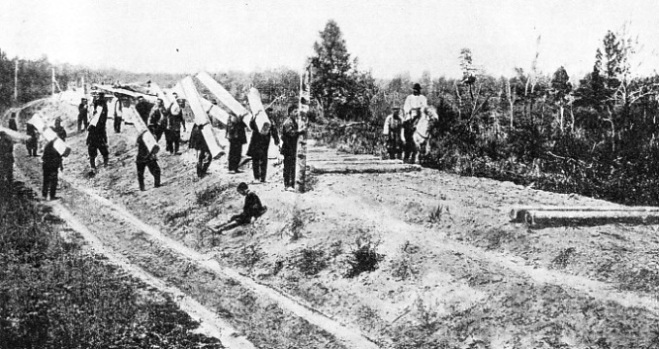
(363, 168)
(540, 219)
(356, 162)
(518, 213)
(224, 97)
(334, 157)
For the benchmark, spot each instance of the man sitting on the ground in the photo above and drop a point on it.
(252, 210)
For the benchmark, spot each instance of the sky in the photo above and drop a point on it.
(389, 37)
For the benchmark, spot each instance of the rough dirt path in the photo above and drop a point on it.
(210, 324)
(454, 271)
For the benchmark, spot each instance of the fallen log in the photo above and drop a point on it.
(560, 218)
(356, 162)
(518, 213)
(362, 168)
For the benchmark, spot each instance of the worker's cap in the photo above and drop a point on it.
(416, 87)
(101, 94)
(140, 97)
(242, 186)
(83, 98)
(395, 107)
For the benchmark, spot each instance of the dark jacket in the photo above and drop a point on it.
(253, 206)
(13, 125)
(61, 132)
(175, 121)
(31, 131)
(96, 137)
(197, 140)
(144, 156)
(158, 116)
(259, 144)
(52, 160)
(143, 108)
(82, 110)
(289, 135)
(236, 130)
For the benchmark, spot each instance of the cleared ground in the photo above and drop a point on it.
(452, 272)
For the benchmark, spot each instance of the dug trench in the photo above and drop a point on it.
(446, 267)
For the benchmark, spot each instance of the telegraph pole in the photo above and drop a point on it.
(52, 82)
(16, 82)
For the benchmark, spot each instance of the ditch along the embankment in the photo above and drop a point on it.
(220, 295)
(453, 271)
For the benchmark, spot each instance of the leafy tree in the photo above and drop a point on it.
(341, 89)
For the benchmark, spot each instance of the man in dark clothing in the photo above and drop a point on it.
(118, 115)
(157, 119)
(143, 108)
(52, 163)
(12, 122)
(393, 128)
(258, 148)
(289, 136)
(145, 158)
(252, 210)
(32, 142)
(198, 142)
(59, 130)
(83, 114)
(237, 137)
(173, 125)
(97, 139)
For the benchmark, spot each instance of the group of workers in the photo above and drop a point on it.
(399, 129)
(159, 119)
(169, 121)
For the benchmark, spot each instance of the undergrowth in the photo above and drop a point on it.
(53, 295)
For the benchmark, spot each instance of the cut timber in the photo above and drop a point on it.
(363, 168)
(201, 118)
(15, 136)
(141, 128)
(261, 118)
(357, 162)
(49, 135)
(215, 112)
(335, 157)
(557, 218)
(518, 213)
(224, 96)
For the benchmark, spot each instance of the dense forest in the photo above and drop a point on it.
(593, 135)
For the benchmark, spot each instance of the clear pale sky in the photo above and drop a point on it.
(389, 37)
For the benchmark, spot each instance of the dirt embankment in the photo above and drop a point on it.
(452, 270)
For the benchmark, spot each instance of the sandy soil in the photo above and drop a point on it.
(454, 271)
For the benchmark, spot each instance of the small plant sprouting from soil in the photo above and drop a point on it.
(310, 261)
(364, 259)
(249, 256)
(563, 258)
(427, 315)
(294, 226)
(403, 269)
(437, 213)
